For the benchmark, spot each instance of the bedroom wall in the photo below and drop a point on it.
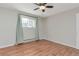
(42, 28)
(8, 22)
(61, 28)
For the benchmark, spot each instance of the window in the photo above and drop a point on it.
(28, 22)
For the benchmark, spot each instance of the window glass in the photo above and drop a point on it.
(28, 22)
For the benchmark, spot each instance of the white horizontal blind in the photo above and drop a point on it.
(29, 27)
(28, 22)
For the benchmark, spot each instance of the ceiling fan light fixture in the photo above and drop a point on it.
(42, 7)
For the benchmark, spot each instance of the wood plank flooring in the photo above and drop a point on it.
(39, 48)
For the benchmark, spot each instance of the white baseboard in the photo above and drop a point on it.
(29, 40)
(63, 43)
(45, 39)
(7, 45)
(4, 46)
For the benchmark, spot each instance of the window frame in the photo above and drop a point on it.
(28, 17)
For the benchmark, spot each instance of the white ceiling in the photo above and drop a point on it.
(28, 7)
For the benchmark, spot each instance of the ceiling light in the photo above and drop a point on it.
(42, 7)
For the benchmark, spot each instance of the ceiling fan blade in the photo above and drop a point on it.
(36, 8)
(49, 6)
(38, 4)
(44, 4)
(43, 10)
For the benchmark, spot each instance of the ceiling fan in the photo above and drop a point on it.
(42, 6)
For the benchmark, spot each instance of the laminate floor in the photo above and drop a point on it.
(39, 48)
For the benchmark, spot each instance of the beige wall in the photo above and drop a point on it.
(61, 27)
